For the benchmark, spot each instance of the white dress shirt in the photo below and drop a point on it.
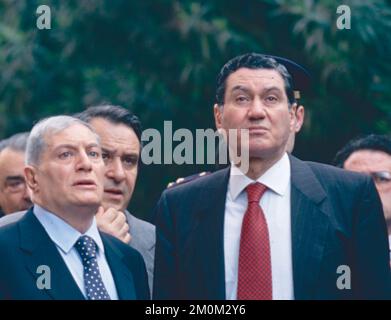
(276, 205)
(64, 237)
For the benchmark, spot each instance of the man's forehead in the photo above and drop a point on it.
(11, 163)
(73, 143)
(74, 135)
(8, 152)
(124, 146)
(107, 129)
(11, 157)
(115, 135)
(264, 77)
(369, 159)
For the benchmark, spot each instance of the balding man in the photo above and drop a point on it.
(14, 195)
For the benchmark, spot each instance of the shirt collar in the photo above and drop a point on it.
(276, 178)
(63, 234)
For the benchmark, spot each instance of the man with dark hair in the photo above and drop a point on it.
(14, 195)
(373, 142)
(120, 138)
(114, 114)
(371, 155)
(293, 88)
(302, 79)
(282, 229)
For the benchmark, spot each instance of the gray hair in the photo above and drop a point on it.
(17, 142)
(36, 142)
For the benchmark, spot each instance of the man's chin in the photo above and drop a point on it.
(88, 202)
(264, 151)
(109, 203)
(92, 204)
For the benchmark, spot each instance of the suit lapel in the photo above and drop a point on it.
(309, 227)
(39, 250)
(208, 236)
(309, 230)
(123, 278)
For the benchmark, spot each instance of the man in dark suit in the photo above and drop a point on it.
(371, 155)
(120, 131)
(279, 229)
(56, 251)
(120, 137)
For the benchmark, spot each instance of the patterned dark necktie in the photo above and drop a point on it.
(86, 247)
(254, 276)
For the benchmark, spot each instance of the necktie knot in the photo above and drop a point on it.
(86, 247)
(255, 191)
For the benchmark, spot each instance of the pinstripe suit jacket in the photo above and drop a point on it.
(336, 219)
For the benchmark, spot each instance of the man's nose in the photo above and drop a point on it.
(115, 170)
(257, 109)
(84, 162)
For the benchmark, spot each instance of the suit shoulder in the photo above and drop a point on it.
(338, 183)
(140, 224)
(9, 240)
(10, 218)
(143, 235)
(337, 175)
(8, 231)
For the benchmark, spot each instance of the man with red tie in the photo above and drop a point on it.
(281, 229)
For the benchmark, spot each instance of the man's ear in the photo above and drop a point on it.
(218, 113)
(299, 118)
(292, 116)
(30, 174)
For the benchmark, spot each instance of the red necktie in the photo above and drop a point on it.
(255, 275)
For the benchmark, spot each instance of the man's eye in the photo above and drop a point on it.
(130, 161)
(271, 99)
(15, 183)
(65, 155)
(94, 154)
(381, 176)
(105, 155)
(241, 99)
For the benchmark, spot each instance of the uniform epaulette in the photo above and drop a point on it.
(180, 181)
